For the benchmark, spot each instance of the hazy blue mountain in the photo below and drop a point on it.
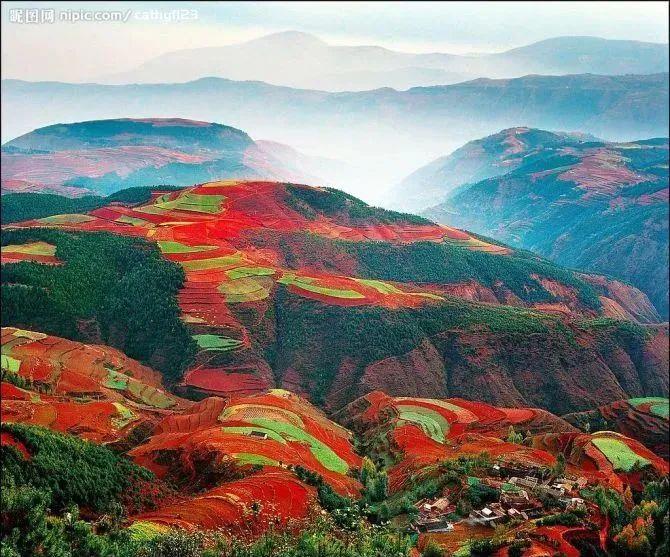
(489, 156)
(384, 132)
(305, 61)
(104, 156)
(592, 205)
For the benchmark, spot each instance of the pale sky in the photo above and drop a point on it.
(83, 50)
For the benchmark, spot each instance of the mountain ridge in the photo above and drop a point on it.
(364, 127)
(312, 290)
(352, 67)
(595, 205)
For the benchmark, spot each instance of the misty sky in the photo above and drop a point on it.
(81, 51)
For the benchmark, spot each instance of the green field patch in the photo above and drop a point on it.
(247, 289)
(32, 335)
(124, 417)
(125, 219)
(243, 272)
(619, 454)
(431, 422)
(31, 248)
(213, 263)
(307, 283)
(150, 210)
(249, 412)
(216, 343)
(249, 430)
(115, 380)
(256, 459)
(169, 246)
(323, 453)
(150, 396)
(657, 405)
(661, 409)
(142, 531)
(189, 201)
(10, 364)
(380, 286)
(66, 219)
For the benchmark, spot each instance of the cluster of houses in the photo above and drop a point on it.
(522, 497)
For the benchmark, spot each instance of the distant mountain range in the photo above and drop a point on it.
(104, 156)
(585, 203)
(477, 160)
(305, 61)
(384, 133)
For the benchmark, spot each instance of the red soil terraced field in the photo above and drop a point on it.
(92, 391)
(37, 252)
(210, 229)
(643, 419)
(55, 169)
(604, 457)
(22, 186)
(603, 172)
(246, 507)
(7, 439)
(275, 430)
(421, 432)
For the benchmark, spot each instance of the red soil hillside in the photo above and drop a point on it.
(234, 460)
(275, 430)
(283, 280)
(604, 457)
(419, 433)
(242, 453)
(104, 156)
(643, 419)
(92, 391)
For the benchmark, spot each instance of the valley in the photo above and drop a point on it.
(334, 279)
(244, 417)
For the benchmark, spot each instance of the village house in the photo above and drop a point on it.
(433, 515)
(491, 515)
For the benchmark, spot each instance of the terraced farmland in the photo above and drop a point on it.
(258, 255)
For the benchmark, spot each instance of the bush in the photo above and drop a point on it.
(121, 287)
(74, 472)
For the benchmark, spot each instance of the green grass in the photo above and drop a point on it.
(142, 531)
(124, 417)
(660, 409)
(116, 380)
(430, 421)
(323, 453)
(246, 289)
(213, 263)
(31, 248)
(380, 286)
(243, 272)
(305, 283)
(189, 201)
(619, 454)
(257, 459)
(66, 219)
(248, 430)
(168, 246)
(125, 219)
(10, 364)
(216, 342)
(150, 395)
(657, 405)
